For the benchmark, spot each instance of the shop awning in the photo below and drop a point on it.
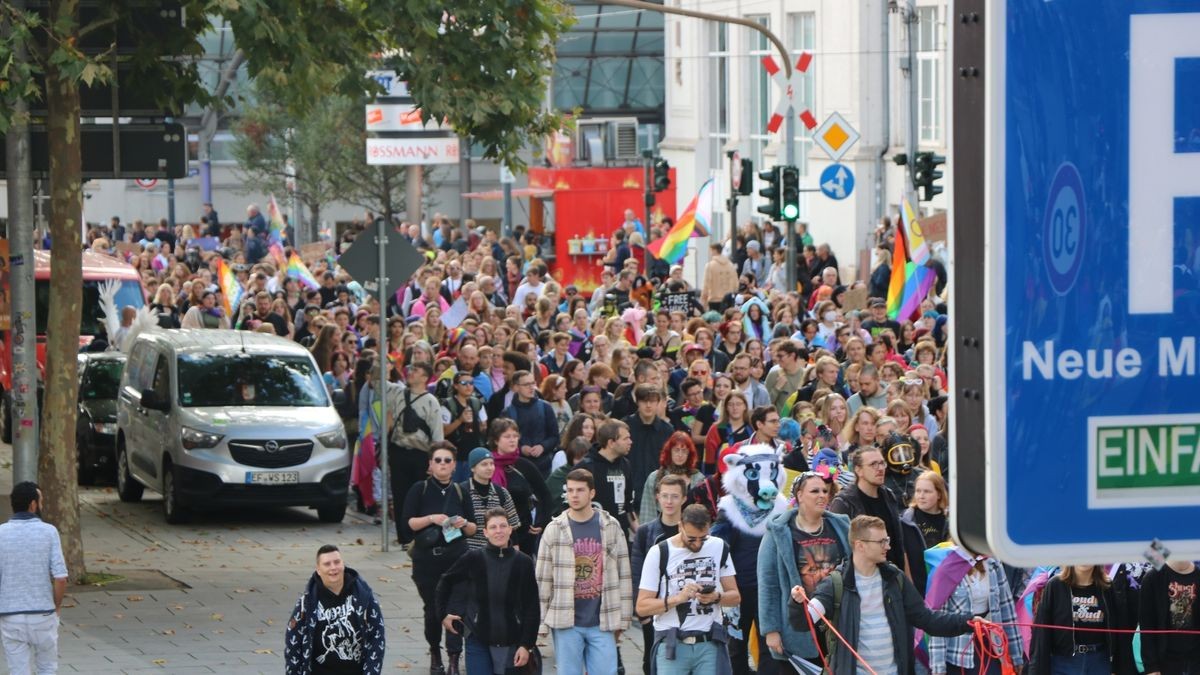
(496, 195)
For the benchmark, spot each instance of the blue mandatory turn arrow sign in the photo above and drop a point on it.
(837, 181)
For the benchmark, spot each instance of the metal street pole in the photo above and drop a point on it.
(171, 204)
(381, 238)
(910, 22)
(412, 196)
(789, 128)
(647, 180)
(24, 414)
(506, 178)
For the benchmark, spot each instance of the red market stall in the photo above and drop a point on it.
(589, 205)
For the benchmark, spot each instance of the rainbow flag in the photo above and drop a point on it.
(278, 227)
(296, 269)
(277, 255)
(913, 235)
(896, 285)
(693, 223)
(910, 281)
(231, 290)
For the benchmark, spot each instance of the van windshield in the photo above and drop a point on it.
(207, 380)
(129, 294)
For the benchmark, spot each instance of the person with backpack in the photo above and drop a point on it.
(669, 494)
(521, 478)
(416, 424)
(536, 420)
(873, 606)
(685, 581)
(441, 516)
(487, 495)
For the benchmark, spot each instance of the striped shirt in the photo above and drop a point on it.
(874, 633)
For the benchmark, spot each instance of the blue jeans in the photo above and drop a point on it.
(577, 649)
(1092, 663)
(479, 658)
(689, 659)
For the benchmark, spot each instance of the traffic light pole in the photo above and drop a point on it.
(789, 128)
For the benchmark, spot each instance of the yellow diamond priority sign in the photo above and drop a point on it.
(835, 136)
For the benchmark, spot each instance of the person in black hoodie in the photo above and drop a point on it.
(1079, 597)
(649, 432)
(609, 465)
(336, 626)
(1170, 600)
(499, 612)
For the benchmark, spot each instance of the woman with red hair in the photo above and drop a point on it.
(678, 456)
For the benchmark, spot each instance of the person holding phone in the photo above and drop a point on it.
(685, 581)
(489, 597)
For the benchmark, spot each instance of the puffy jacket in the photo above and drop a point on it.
(903, 605)
(778, 573)
(367, 619)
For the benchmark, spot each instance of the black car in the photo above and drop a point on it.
(96, 429)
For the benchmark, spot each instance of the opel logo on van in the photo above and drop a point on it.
(271, 446)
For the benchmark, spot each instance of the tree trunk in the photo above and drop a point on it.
(56, 467)
(385, 173)
(314, 217)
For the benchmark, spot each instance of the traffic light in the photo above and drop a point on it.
(926, 174)
(770, 193)
(662, 175)
(900, 159)
(790, 180)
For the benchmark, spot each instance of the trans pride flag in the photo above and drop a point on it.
(693, 223)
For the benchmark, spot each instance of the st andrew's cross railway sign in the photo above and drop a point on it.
(789, 88)
(1075, 360)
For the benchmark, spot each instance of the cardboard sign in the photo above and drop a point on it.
(855, 299)
(311, 253)
(678, 302)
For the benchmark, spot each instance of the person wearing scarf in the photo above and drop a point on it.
(523, 481)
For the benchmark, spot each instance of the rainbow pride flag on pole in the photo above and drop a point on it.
(914, 236)
(278, 227)
(231, 290)
(296, 269)
(910, 281)
(693, 223)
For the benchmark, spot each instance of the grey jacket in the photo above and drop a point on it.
(905, 609)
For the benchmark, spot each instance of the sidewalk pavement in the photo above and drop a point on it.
(214, 596)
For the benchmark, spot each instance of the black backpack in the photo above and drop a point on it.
(410, 421)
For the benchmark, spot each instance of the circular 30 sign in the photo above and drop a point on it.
(1064, 229)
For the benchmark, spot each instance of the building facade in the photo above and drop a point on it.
(720, 99)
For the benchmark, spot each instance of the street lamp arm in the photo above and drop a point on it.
(748, 23)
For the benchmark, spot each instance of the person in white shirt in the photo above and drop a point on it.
(685, 594)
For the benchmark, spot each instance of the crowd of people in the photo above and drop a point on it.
(752, 461)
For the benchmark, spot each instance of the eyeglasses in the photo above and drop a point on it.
(877, 465)
(443, 460)
(886, 541)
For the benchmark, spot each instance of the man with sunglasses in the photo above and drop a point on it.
(685, 580)
(874, 607)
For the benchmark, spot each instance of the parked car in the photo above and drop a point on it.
(96, 427)
(216, 418)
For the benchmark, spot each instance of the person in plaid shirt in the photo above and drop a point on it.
(584, 582)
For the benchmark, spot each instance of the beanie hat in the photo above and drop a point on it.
(478, 455)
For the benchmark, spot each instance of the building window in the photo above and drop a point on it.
(761, 105)
(719, 107)
(931, 49)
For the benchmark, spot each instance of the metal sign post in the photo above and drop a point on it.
(381, 239)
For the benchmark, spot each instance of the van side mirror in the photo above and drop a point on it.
(339, 397)
(152, 401)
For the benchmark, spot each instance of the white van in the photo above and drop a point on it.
(215, 418)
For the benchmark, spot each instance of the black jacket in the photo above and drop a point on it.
(367, 619)
(1055, 609)
(903, 605)
(1155, 614)
(648, 441)
(518, 598)
(611, 477)
(849, 501)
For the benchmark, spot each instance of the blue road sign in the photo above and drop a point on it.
(1093, 172)
(837, 181)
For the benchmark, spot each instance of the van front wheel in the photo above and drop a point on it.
(173, 512)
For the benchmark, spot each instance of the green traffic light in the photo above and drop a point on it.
(791, 212)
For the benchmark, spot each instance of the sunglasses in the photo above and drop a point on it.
(443, 460)
(466, 383)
